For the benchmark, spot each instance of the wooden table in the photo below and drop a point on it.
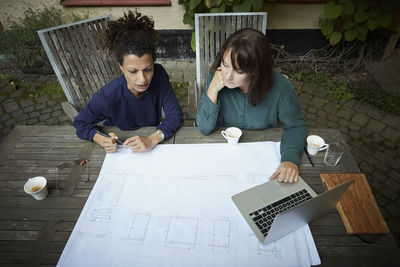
(35, 232)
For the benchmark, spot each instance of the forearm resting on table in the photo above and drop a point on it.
(140, 143)
(155, 138)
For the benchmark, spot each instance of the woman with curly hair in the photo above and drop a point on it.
(138, 97)
(245, 92)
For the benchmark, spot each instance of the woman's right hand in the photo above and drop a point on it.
(109, 144)
(215, 86)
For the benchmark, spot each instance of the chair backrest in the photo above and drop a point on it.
(76, 53)
(211, 30)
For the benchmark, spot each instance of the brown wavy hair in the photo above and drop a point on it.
(131, 34)
(250, 54)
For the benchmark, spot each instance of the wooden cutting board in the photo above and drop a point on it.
(357, 207)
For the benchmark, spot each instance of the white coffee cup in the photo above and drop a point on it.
(36, 187)
(232, 135)
(315, 144)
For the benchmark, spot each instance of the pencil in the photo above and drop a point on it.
(308, 156)
(119, 142)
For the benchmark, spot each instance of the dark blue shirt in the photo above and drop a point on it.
(116, 105)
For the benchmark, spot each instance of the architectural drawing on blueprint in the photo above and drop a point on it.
(182, 231)
(97, 221)
(180, 214)
(257, 248)
(139, 228)
(221, 236)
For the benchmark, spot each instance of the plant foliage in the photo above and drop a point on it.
(384, 100)
(338, 90)
(215, 6)
(21, 44)
(354, 19)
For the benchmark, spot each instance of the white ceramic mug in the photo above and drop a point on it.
(315, 144)
(36, 187)
(232, 135)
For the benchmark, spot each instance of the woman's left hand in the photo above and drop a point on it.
(140, 143)
(286, 172)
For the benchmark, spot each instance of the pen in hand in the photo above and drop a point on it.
(119, 142)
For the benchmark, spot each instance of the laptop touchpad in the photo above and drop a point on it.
(271, 191)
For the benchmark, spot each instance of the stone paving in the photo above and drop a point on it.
(23, 106)
(372, 135)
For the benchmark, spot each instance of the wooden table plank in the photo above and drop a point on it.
(16, 246)
(40, 214)
(15, 257)
(50, 203)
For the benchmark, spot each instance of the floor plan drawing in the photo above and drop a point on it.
(221, 234)
(176, 214)
(139, 227)
(182, 231)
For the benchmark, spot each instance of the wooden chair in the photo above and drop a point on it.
(81, 63)
(211, 30)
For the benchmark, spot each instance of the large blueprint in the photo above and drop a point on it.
(172, 207)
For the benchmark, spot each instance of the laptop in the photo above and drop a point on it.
(275, 209)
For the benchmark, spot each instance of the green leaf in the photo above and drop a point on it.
(212, 3)
(333, 11)
(327, 28)
(191, 12)
(375, 13)
(372, 24)
(335, 38)
(362, 5)
(245, 6)
(361, 37)
(219, 9)
(362, 32)
(228, 2)
(348, 24)
(187, 19)
(257, 4)
(350, 35)
(193, 41)
(349, 7)
(194, 3)
(385, 20)
(360, 16)
(298, 75)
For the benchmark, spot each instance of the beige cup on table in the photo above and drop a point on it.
(36, 187)
(232, 135)
(315, 144)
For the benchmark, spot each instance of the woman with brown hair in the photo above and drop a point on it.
(138, 97)
(246, 93)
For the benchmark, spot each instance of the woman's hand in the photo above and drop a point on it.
(287, 172)
(109, 144)
(140, 143)
(215, 86)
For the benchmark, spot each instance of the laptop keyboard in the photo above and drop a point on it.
(265, 216)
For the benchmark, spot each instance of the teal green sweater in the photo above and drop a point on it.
(280, 104)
